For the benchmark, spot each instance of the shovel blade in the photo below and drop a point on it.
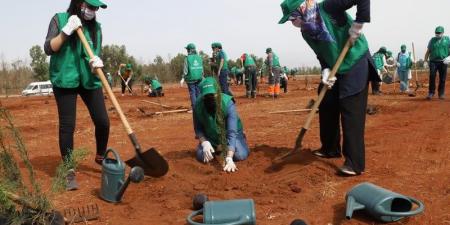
(153, 164)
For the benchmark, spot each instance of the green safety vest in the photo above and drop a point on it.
(225, 60)
(378, 60)
(439, 48)
(69, 67)
(155, 84)
(195, 67)
(208, 121)
(249, 61)
(329, 51)
(275, 60)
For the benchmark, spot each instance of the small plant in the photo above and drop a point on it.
(71, 162)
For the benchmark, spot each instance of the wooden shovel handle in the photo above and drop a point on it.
(102, 77)
(324, 89)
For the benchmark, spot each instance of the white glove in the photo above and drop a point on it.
(271, 74)
(72, 24)
(229, 165)
(329, 82)
(398, 64)
(355, 31)
(126, 83)
(208, 151)
(447, 60)
(425, 64)
(182, 82)
(95, 62)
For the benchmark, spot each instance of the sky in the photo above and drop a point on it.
(149, 28)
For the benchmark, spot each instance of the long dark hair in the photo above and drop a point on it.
(75, 9)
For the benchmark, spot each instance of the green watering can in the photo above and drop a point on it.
(230, 212)
(380, 203)
(113, 177)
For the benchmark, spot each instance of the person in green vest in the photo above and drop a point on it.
(72, 74)
(404, 64)
(155, 89)
(284, 79)
(125, 72)
(192, 72)
(326, 27)
(249, 64)
(222, 63)
(274, 72)
(437, 56)
(216, 122)
(380, 60)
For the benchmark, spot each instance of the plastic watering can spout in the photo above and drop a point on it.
(352, 205)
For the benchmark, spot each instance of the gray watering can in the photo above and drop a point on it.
(230, 212)
(113, 177)
(380, 203)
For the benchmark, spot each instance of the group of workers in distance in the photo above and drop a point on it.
(326, 28)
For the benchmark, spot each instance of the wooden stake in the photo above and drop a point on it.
(289, 111)
(155, 103)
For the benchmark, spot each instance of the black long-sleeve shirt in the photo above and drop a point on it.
(337, 8)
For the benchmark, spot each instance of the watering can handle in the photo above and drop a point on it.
(116, 156)
(410, 213)
(242, 219)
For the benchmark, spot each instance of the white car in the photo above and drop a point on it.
(44, 88)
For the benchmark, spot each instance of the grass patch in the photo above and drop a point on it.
(72, 162)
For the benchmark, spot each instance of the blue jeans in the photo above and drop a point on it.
(404, 81)
(241, 149)
(223, 81)
(442, 69)
(194, 92)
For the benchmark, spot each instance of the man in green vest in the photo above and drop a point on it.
(72, 74)
(379, 58)
(125, 72)
(192, 72)
(217, 123)
(155, 88)
(222, 71)
(438, 56)
(326, 27)
(274, 72)
(404, 64)
(248, 63)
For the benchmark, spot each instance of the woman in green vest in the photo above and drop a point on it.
(218, 124)
(379, 58)
(71, 73)
(326, 27)
(438, 52)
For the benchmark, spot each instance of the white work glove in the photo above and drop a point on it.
(355, 31)
(72, 24)
(182, 82)
(447, 60)
(329, 82)
(229, 165)
(95, 62)
(425, 64)
(398, 64)
(271, 74)
(208, 151)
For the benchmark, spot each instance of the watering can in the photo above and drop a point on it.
(113, 177)
(380, 203)
(230, 212)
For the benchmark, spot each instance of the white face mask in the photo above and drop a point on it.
(440, 35)
(88, 14)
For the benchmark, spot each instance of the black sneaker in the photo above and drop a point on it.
(347, 171)
(322, 154)
(430, 96)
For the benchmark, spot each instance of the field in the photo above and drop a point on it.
(407, 151)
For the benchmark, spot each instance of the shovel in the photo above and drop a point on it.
(298, 142)
(151, 161)
(128, 87)
(418, 84)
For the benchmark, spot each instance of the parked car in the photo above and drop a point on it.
(38, 88)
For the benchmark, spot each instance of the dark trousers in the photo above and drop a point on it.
(284, 84)
(436, 67)
(250, 73)
(66, 101)
(223, 81)
(351, 113)
(158, 92)
(375, 87)
(124, 86)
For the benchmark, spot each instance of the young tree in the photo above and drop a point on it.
(39, 63)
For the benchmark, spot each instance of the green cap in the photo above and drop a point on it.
(96, 3)
(216, 45)
(268, 50)
(128, 66)
(383, 50)
(190, 46)
(208, 86)
(389, 54)
(439, 29)
(403, 47)
(289, 6)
